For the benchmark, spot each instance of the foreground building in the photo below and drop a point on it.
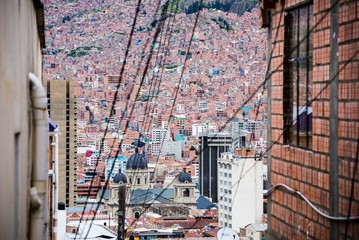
(24, 126)
(314, 118)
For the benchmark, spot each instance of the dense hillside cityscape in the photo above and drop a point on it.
(168, 94)
(225, 64)
(191, 119)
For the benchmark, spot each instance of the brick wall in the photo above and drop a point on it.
(309, 170)
(348, 94)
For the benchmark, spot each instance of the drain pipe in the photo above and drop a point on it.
(38, 191)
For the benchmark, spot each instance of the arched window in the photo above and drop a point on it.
(145, 180)
(130, 180)
(186, 193)
(138, 180)
(137, 215)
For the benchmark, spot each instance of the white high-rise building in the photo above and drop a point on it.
(240, 190)
(158, 135)
(199, 128)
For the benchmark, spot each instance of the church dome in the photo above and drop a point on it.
(120, 177)
(184, 177)
(136, 161)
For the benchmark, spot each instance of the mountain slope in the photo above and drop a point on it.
(235, 6)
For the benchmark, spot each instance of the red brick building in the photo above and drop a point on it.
(314, 116)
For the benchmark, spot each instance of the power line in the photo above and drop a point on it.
(315, 98)
(163, 61)
(127, 122)
(180, 79)
(257, 112)
(132, 87)
(258, 106)
(352, 191)
(227, 121)
(177, 4)
(178, 87)
(113, 103)
(165, 9)
(176, 8)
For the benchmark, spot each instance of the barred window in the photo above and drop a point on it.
(297, 95)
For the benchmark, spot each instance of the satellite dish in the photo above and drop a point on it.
(227, 234)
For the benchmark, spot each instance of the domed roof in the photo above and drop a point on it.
(120, 177)
(136, 161)
(184, 177)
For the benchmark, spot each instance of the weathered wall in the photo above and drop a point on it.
(19, 54)
(63, 111)
(312, 171)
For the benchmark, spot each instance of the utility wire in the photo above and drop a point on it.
(272, 145)
(295, 192)
(163, 61)
(257, 111)
(180, 79)
(177, 4)
(145, 71)
(352, 191)
(164, 10)
(281, 135)
(128, 100)
(179, 86)
(176, 11)
(113, 105)
(319, 93)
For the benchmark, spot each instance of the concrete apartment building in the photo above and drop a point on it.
(24, 126)
(62, 109)
(240, 190)
(314, 117)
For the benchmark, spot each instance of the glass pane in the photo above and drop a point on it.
(298, 69)
(293, 76)
(303, 73)
(310, 82)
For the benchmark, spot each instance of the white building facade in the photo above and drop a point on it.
(158, 136)
(240, 191)
(174, 148)
(199, 128)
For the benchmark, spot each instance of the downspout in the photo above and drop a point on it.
(56, 166)
(38, 190)
(55, 213)
(54, 184)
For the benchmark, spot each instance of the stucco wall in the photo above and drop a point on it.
(19, 54)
